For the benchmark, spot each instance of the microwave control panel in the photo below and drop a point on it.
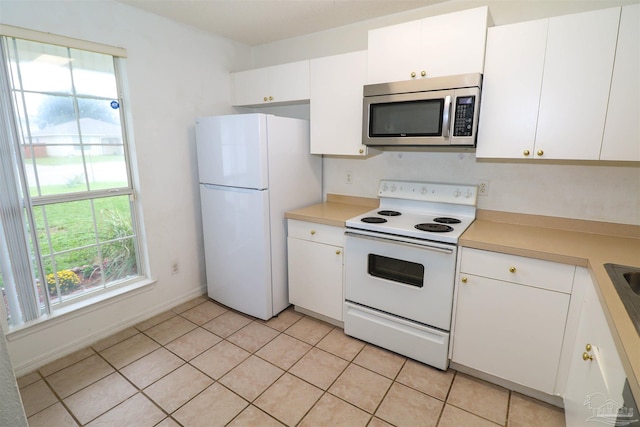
(463, 120)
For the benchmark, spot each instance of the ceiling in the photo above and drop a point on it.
(255, 22)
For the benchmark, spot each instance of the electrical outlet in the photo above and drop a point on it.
(483, 187)
(348, 178)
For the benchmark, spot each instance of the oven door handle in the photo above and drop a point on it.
(400, 242)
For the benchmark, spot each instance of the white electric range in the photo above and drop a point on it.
(400, 262)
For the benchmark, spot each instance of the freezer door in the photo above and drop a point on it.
(235, 225)
(232, 150)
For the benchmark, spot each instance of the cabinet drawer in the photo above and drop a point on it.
(511, 268)
(314, 232)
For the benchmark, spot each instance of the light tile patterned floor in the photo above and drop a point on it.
(201, 364)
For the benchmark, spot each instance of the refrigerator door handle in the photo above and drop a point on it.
(227, 188)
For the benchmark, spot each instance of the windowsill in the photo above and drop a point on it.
(85, 305)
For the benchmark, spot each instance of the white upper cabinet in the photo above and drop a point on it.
(622, 129)
(511, 89)
(546, 87)
(277, 84)
(437, 46)
(455, 43)
(394, 53)
(576, 81)
(336, 104)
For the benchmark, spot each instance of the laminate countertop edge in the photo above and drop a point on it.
(580, 248)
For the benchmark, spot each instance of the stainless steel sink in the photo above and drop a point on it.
(626, 280)
(633, 279)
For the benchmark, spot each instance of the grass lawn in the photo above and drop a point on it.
(71, 225)
(80, 231)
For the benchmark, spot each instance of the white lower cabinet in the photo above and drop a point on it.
(315, 255)
(510, 317)
(596, 375)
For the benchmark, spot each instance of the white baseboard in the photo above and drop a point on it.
(544, 397)
(67, 348)
(319, 316)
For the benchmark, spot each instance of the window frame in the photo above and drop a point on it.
(31, 203)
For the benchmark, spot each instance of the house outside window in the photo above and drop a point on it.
(69, 226)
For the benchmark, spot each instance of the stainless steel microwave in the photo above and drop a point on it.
(439, 111)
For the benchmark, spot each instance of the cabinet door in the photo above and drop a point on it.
(250, 87)
(454, 43)
(622, 131)
(289, 82)
(315, 277)
(594, 386)
(510, 331)
(336, 104)
(271, 85)
(575, 86)
(393, 52)
(511, 89)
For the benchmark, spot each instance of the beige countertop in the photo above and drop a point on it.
(335, 211)
(584, 243)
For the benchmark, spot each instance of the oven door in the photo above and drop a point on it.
(405, 277)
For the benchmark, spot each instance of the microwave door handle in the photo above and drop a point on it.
(446, 116)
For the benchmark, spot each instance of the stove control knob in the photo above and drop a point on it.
(423, 190)
(393, 188)
(385, 187)
(457, 193)
(468, 194)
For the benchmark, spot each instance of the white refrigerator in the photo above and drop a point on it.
(252, 169)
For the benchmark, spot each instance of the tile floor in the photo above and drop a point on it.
(201, 364)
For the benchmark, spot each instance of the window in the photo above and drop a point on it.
(68, 212)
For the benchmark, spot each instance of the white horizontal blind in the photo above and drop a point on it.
(17, 272)
(38, 36)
